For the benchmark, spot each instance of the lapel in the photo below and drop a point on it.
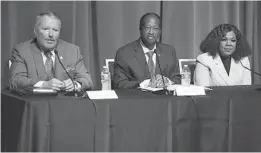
(141, 59)
(38, 61)
(59, 71)
(220, 69)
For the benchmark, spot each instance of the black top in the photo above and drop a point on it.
(226, 62)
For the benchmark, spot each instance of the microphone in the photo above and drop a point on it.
(197, 61)
(164, 91)
(249, 69)
(74, 90)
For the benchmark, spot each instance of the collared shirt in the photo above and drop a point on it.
(146, 50)
(45, 58)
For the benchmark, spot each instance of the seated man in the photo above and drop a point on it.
(35, 62)
(138, 63)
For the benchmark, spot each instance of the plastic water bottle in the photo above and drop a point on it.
(105, 79)
(185, 76)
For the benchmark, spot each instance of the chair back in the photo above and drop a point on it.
(191, 64)
(9, 64)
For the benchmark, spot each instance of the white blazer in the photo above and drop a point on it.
(210, 71)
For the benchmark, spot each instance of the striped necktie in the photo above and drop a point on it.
(151, 65)
(49, 65)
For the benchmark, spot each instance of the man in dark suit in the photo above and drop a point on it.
(35, 63)
(132, 67)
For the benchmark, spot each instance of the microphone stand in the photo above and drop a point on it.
(75, 94)
(164, 91)
(250, 69)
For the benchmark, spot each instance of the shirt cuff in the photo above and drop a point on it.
(39, 84)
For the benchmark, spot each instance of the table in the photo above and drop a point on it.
(226, 119)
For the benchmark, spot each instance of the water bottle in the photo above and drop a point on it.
(105, 79)
(185, 76)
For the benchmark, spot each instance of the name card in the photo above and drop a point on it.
(102, 94)
(189, 90)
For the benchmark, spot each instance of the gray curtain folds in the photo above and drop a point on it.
(100, 28)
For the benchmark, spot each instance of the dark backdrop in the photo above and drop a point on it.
(101, 27)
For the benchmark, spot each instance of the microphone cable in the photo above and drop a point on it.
(95, 122)
(84, 96)
(195, 106)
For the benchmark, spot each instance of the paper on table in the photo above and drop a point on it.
(102, 94)
(42, 90)
(150, 88)
(191, 90)
(174, 86)
(145, 86)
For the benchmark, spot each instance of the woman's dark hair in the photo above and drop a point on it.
(211, 42)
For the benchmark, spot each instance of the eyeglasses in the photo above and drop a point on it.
(147, 28)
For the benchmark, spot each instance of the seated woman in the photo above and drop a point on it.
(224, 61)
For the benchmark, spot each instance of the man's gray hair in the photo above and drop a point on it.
(46, 13)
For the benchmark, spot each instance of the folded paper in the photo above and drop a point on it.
(102, 94)
(191, 90)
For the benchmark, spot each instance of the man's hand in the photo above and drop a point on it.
(68, 85)
(158, 83)
(54, 84)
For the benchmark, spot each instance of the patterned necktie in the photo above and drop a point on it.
(151, 65)
(49, 65)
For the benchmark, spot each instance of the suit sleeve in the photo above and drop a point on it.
(202, 72)
(246, 73)
(122, 77)
(18, 72)
(82, 75)
(175, 74)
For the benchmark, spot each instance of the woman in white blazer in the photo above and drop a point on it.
(224, 61)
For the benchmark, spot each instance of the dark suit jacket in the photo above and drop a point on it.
(131, 68)
(28, 68)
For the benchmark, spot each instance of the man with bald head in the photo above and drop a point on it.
(137, 64)
(35, 63)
